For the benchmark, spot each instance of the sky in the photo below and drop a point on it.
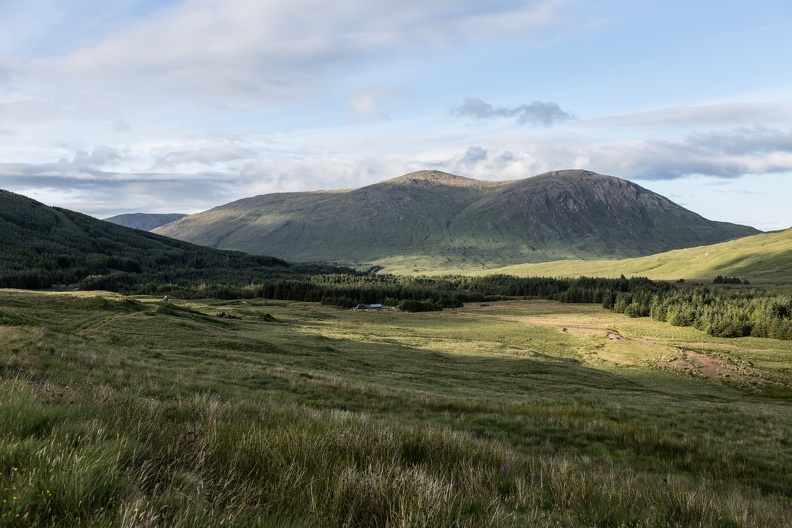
(183, 105)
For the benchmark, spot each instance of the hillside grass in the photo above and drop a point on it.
(763, 259)
(127, 411)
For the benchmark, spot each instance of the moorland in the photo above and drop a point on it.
(129, 411)
(766, 258)
(146, 381)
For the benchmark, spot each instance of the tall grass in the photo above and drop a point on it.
(202, 461)
(107, 434)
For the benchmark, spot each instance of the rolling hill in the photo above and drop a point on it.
(430, 220)
(42, 247)
(764, 259)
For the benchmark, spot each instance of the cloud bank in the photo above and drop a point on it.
(209, 174)
(721, 154)
(242, 52)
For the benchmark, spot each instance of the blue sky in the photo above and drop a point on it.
(179, 106)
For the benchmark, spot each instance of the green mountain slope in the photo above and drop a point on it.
(144, 221)
(42, 246)
(431, 220)
(406, 217)
(764, 259)
(579, 214)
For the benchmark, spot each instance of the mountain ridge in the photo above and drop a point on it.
(430, 219)
(144, 221)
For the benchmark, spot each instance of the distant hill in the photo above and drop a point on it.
(764, 259)
(41, 247)
(430, 220)
(144, 221)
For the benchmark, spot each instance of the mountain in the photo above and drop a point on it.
(763, 259)
(144, 221)
(42, 247)
(431, 220)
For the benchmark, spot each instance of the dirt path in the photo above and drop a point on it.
(596, 340)
(699, 364)
(617, 337)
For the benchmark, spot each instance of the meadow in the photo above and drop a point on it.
(128, 411)
(763, 259)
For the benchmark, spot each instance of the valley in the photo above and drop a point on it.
(131, 411)
(213, 387)
(302, 264)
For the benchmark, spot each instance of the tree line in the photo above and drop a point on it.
(721, 312)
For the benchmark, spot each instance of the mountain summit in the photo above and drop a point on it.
(429, 177)
(430, 220)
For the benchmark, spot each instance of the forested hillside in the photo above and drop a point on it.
(42, 247)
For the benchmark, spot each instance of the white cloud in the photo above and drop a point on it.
(205, 156)
(537, 113)
(100, 155)
(722, 154)
(372, 101)
(278, 50)
(120, 125)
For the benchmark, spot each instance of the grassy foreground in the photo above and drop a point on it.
(118, 411)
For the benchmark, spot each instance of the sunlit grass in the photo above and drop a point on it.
(762, 259)
(128, 412)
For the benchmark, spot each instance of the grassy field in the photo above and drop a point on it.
(118, 411)
(763, 259)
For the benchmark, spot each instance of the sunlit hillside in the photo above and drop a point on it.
(764, 259)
